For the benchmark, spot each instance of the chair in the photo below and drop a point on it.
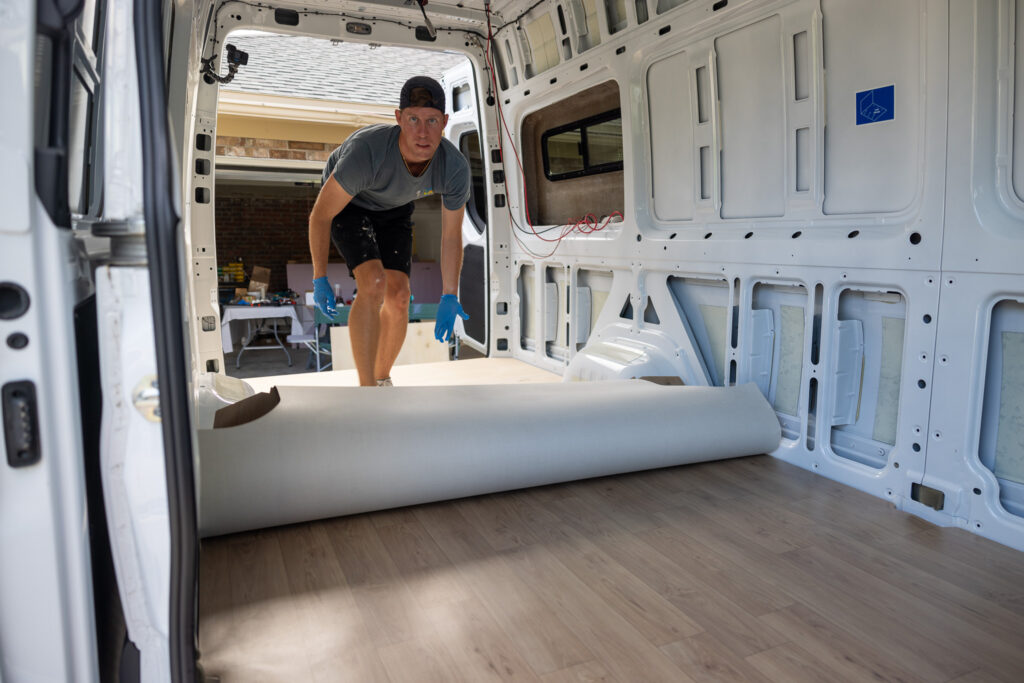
(313, 335)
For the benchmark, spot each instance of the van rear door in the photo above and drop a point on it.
(464, 132)
(47, 627)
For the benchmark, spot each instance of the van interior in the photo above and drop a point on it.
(739, 393)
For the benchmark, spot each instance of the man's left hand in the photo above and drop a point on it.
(447, 309)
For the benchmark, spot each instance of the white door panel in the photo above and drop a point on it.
(47, 633)
(132, 456)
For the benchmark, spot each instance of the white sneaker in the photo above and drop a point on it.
(386, 382)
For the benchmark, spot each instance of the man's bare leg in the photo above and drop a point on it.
(394, 321)
(364, 320)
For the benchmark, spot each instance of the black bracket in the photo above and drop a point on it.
(21, 423)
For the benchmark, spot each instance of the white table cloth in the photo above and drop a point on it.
(255, 313)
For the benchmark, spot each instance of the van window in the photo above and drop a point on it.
(79, 144)
(461, 97)
(584, 147)
(67, 120)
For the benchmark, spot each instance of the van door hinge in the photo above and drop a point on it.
(146, 398)
(21, 423)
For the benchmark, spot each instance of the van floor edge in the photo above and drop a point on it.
(748, 569)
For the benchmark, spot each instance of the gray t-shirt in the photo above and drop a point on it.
(369, 167)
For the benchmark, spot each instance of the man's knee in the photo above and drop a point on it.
(398, 290)
(371, 282)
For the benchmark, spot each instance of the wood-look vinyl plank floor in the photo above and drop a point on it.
(530, 623)
(743, 570)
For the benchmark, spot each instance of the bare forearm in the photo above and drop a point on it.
(329, 203)
(451, 266)
(451, 251)
(319, 244)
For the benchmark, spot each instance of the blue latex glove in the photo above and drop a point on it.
(446, 312)
(323, 296)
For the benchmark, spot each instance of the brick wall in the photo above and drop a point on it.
(264, 148)
(265, 227)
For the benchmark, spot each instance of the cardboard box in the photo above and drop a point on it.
(260, 280)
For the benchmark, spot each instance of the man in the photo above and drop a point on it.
(364, 207)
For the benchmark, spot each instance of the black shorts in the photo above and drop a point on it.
(362, 235)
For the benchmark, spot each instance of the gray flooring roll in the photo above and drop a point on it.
(330, 451)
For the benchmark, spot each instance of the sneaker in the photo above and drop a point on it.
(386, 382)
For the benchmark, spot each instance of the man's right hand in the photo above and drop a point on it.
(323, 296)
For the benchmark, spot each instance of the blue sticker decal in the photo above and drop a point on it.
(876, 105)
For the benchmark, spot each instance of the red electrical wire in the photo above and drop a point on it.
(585, 225)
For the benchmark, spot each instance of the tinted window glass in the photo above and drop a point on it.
(604, 142)
(461, 98)
(584, 147)
(565, 152)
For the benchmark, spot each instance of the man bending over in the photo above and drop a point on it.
(365, 204)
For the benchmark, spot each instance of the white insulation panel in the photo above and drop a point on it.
(791, 360)
(331, 451)
(870, 44)
(671, 137)
(1010, 438)
(751, 94)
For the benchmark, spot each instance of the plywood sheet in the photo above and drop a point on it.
(420, 347)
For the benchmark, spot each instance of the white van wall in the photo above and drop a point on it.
(838, 235)
(821, 199)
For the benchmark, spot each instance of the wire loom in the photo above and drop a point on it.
(584, 225)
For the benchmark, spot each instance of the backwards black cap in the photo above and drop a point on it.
(422, 91)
